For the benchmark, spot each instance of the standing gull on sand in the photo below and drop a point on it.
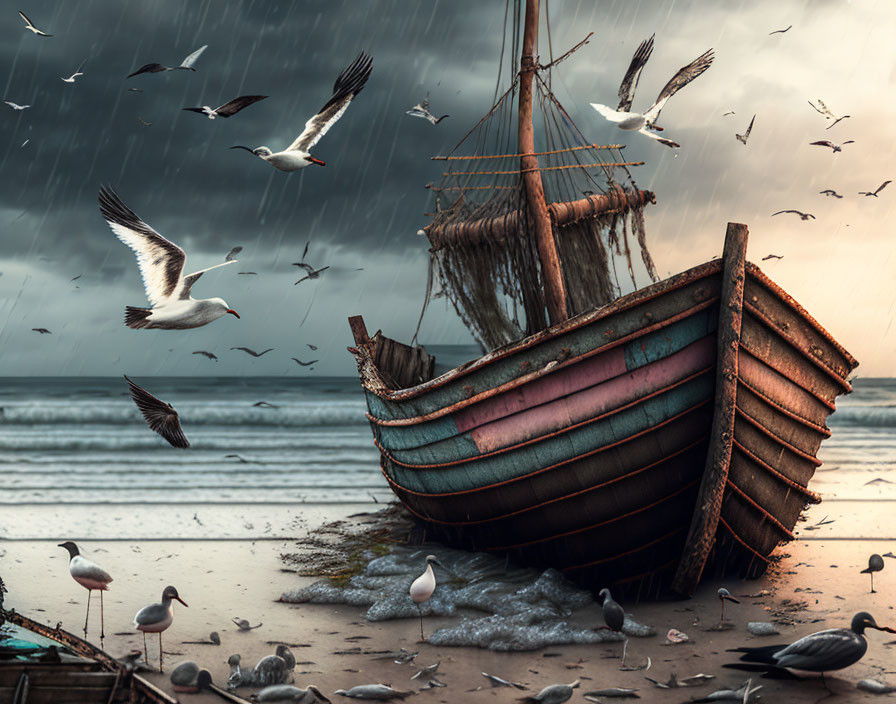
(161, 265)
(614, 617)
(156, 618)
(875, 564)
(423, 587)
(90, 576)
(725, 595)
(297, 155)
(186, 64)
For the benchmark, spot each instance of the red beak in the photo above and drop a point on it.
(181, 601)
(316, 161)
(232, 312)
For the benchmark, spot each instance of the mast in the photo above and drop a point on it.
(554, 288)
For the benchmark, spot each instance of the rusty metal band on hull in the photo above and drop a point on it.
(778, 440)
(827, 404)
(822, 430)
(561, 431)
(531, 376)
(810, 495)
(399, 489)
(632, 300)
(743, 543)
(774, 521)
(640, 548)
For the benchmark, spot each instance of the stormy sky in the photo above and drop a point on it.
(363, 208)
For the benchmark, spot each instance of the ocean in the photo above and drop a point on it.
(74, 447)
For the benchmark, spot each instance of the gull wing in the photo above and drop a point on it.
(349, 83)
(148, 68)
(160, 416)
(191, 59)
(819, 651)
(190, 279)
(881, 186)
(234, 106)
(822, 143)
(825, 110)
(630, 81)
(685, 75)
(609, 113)
(661, 140)
(161, 262)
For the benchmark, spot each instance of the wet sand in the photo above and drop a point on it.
(817, 585)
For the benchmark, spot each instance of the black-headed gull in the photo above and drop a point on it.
(156, 618)
(646, 121)
(71, 79)
(30, 25)
(186, 64)
(229, 108)
(161, 265)
(297, 155)
(422, 110)
(159, 416)
(90, 576)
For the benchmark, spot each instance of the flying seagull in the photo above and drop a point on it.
(206, 354)
(835, 147)
(874, 194)
(30, 25)
(303, 364)
(186, 64)
(144, 122)
(16, 106)
(746, 135)
(421, 109)
(312, 273)
(229, 108)
(42, 331)
(768, 257)
(247, 273)
(297, 155)
(830, 192)
(311, 347)
(803, 216)
(780, 31)
(730, 112)
(823, 109)
(71, 79)
(161, 265)
(160, 416)
(646, 121)
(232, 253)
(253, 352)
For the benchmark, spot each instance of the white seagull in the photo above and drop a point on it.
(30, 25)
(71, 79)
(161, 265)
(90, 576)
(156, 618)
(16, 106)
(423, 587)
(297, 155)
(646, 121)
(186, 64)
(229, 108)
(422, 110)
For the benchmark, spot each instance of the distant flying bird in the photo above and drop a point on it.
(830, 192)
(231, 255)
(75, 278)
(247, 273)
(746, 135)
(874, 194)
(161, 265)
(421, 109)
(42, 331)
(767, 257)
(780, 31)
(730, 112)
(30, 25)
(304, 364)
(16, 106)
(229, 108)
(297, 155)
(160, 416)
(135, 90)
(312, 273)
(186, 64)
(311, 347)
(646, 121)
(253, 352)
(835, 147)
(823, 109)
(206, 354)
(803, 216)
(263, 404)
(71, 79)
(144, 122)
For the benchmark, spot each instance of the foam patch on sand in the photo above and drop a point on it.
(524, 609)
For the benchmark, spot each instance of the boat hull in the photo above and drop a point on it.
(587, 446)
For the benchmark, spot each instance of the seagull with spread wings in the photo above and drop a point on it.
(186, 64)
(204, 353)
(160, 416)
(881, 187)
(71, 79)
(30, 26)
(253, 352)
(746, 135)
(303, 364)
(823, 109)
(834, 147)
(229, 108)
(830, 192)
(161, 265)
(803, 216)
(297, 155)
(645, 123)
(16, 106)
(421, 109)
(312, 272)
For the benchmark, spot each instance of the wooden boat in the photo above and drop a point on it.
(643, 443)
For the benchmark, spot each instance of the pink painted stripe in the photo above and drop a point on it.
(595, 400)
(561, 383)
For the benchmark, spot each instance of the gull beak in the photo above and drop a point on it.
(181, 601)
(728, 597)
(315, 161)
(233, 312)
(885, 629)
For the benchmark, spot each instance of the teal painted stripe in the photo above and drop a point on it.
(577, 442)
(576, 342)
(638, 353)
